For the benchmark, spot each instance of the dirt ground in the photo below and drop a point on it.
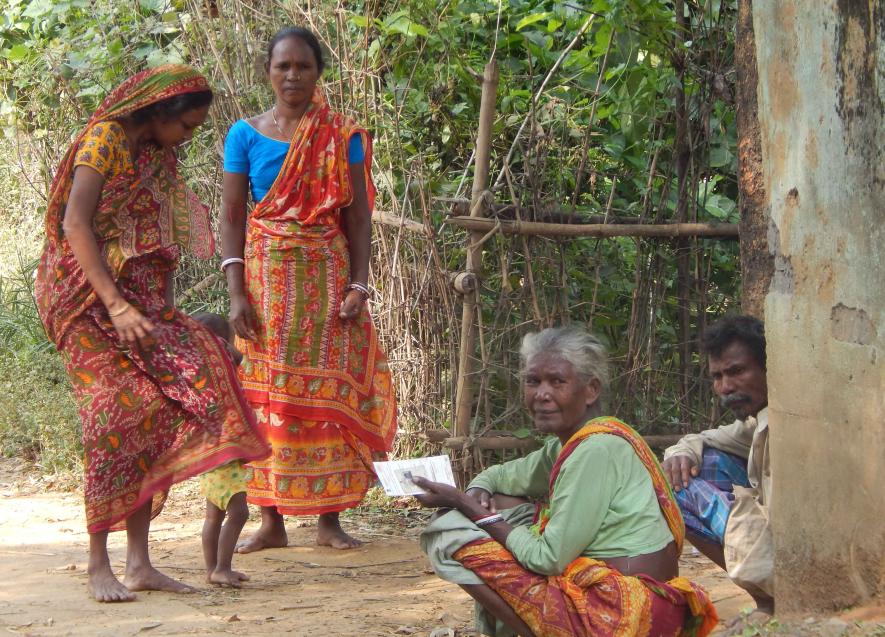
(384, 588)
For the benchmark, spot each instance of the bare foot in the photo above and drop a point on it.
(229, 577)
(150, 579)
(330, 533)
(105, 587)
(264, 540)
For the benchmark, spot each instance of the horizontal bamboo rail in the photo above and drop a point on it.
(533, 228)
(389, 219)
(662, 230)
(551, 214)
(499, 440)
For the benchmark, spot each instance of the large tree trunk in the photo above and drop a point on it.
(757, 263)
(822, 120)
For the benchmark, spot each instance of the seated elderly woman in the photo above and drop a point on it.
(599, 556)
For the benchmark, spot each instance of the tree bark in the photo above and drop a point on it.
(757, 263)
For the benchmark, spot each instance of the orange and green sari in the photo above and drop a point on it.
(320, 386)
(156, 415)
(591, 599)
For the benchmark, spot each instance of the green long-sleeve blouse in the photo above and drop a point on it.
(603, 504)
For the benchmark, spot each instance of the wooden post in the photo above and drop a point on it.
(682, 251)
(464, 388)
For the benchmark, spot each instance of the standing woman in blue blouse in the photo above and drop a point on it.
(297, 269)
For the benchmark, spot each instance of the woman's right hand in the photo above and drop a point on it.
(133, 328)
(483, 497)
(242, 317)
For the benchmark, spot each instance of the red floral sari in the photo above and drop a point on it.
(321, 386)
(151, 416)
(590, 599)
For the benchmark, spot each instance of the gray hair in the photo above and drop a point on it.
(577, 346)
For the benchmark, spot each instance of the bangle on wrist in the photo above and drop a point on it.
(115, 313)
(488, 520)
(359, 287)
(229, 260)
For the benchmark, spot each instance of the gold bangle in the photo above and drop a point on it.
(120, 311)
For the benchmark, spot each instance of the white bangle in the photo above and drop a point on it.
(230, 260)
(358, 287)
(489, 519)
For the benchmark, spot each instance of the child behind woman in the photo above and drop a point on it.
(225, 491)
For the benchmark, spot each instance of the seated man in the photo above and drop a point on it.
(721, 476)
(600, 556)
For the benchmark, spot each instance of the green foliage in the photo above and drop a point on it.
(38, 417)
(77, 50)
(20, 328)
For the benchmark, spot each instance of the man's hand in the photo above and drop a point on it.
(679, 471)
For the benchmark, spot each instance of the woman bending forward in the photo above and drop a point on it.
(158, 396)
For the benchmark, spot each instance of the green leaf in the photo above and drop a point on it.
(61, 8)
(523, 432)
(719, 156)
(144, 51)
(154, 6)
(374, 50)
(90, 90)
(38, 9)
(360, 21)
(406, 26)
(531, 19)
(79, 62)
(160, 57)
(17, 53)
(719, 206)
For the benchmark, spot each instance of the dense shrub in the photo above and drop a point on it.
(38, 416)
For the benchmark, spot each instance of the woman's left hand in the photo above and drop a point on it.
(352, 305)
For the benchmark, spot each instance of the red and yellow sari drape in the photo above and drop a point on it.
(320, 385)
(151, 416)
(590, 599)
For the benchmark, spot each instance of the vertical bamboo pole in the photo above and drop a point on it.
(464, 389)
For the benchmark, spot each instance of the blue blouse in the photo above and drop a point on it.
(249, 152)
